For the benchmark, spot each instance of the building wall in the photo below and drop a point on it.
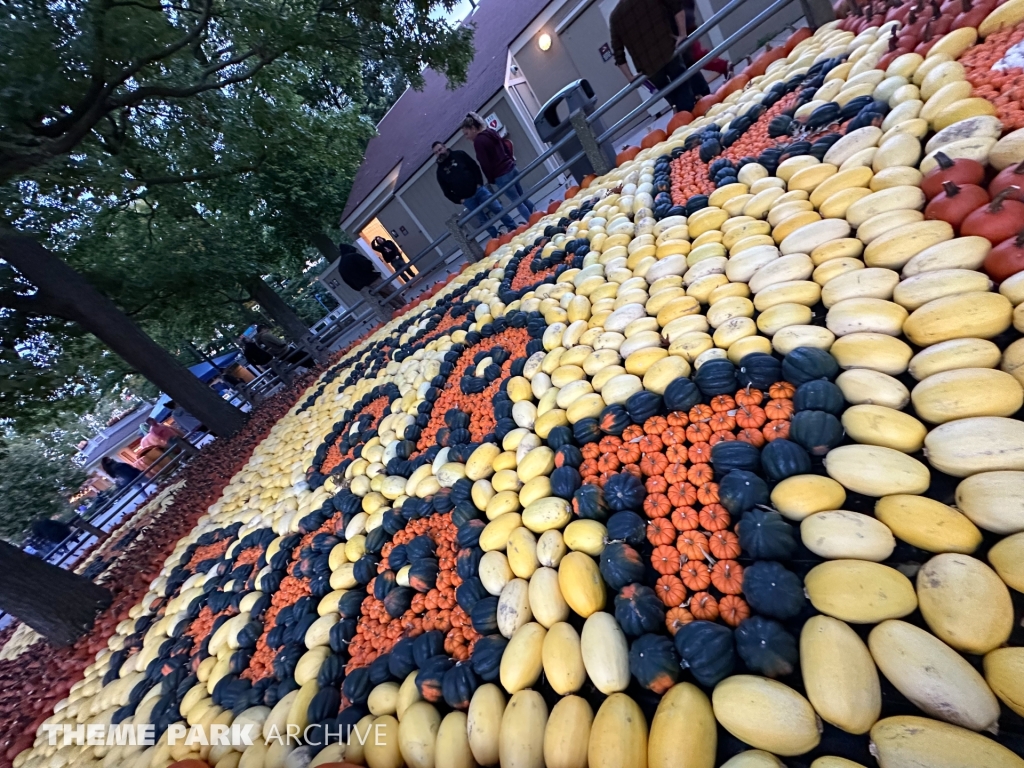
(402, 228)
(731, 23)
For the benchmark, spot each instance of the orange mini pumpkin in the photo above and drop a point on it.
(773, 430)
(674, 436)
(682, 494)
(661, 531)
(609, 443)
(629, 453)
(699, 432)
(727, 576)
(753, 436)
(750, 417)
(609, 462)
(733, 610)
(632, 432)
(654, 463)
(701, 412)
(650, 444)
(699, 474)
(657, 505)
(590, 451)
(676, 618)
(722, 420)
(677, 454)
(704, 606)
(656, 425)
(699, 453)
(714, 517)
(634, 470)
(685, 518)
(721, 436)
(781, 390)
(695, 575)
(665, 559)
(749, 396)
(693, 545)
(722, 403)
(778, 408)
(656, 484)
(678, 419)
(708, 493)
(724, 545)
(676, 473)
(669, 588)
(589, 467)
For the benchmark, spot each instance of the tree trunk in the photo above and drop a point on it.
(63, 292)
(58, 604)
(276, 307)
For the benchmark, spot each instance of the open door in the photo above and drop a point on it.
(375, 229)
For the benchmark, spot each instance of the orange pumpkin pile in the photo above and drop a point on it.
(479, 406)
(377, 632)
(1002, 87)
(695, 549)
(334, 455)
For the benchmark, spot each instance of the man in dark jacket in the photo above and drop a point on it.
(496, 161)
(461, 182)
(650, 30)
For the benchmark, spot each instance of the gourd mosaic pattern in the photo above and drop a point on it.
(719, 463)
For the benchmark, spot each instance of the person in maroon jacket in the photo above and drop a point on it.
(496, 161)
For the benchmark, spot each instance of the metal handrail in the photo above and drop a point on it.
(610, 132)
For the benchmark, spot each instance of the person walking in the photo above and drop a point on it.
(158, 436)
(650, 30)
(461, 181)
(497, 161)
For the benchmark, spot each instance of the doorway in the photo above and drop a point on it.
(375, 229)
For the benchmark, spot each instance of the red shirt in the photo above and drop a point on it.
(492, 154)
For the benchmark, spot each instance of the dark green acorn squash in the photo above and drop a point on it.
(643, 404)
(459, 685)
(430, 678)
(819, 395)
(730, 455)
(559, 436)
(772, 590)
(707, 650)
(621, 565)
(740, 491)
(628, 527)
(568, 456)
(759, 370)
(765, 535)
(624, 491)
(765, 647)
(716, 377)
(638, 610)
(565, 481)
(805, 364)
(486, 658)
(587, 431)
(325, 704)
(614, 420)
(588, 502)
(357, 685)
(817, 431)
(653, 661)
(401, 660)
(784, 458)
(484, 616)
(681, 395)
(427, 645)
(423, 574)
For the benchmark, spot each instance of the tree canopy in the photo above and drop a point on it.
(174, 151)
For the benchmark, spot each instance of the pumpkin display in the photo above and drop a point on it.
(634, 396)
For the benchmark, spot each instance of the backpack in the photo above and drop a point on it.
(507, 142)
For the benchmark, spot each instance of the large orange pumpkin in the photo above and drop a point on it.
(588, 180)
(679, 119)
(734, 84)
(572, 192)
(535, 217)
(492, 246)
(626, 155)
(760, 63)
(796, 38)
(704, 104)
(553, 206)
(654, 137)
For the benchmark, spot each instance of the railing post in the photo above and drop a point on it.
(588, 139)
(469, 246)
(817, 12)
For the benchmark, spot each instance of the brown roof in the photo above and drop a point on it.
(419, 118)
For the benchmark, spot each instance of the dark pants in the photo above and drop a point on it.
(684, 96)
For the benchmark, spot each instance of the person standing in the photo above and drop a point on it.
(186, 421)
(650, 30)
(497, 161)
(158, 436)
(461, 181)
(122, 474)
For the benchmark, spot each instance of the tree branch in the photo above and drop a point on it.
(206, 176)
(30, 305)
